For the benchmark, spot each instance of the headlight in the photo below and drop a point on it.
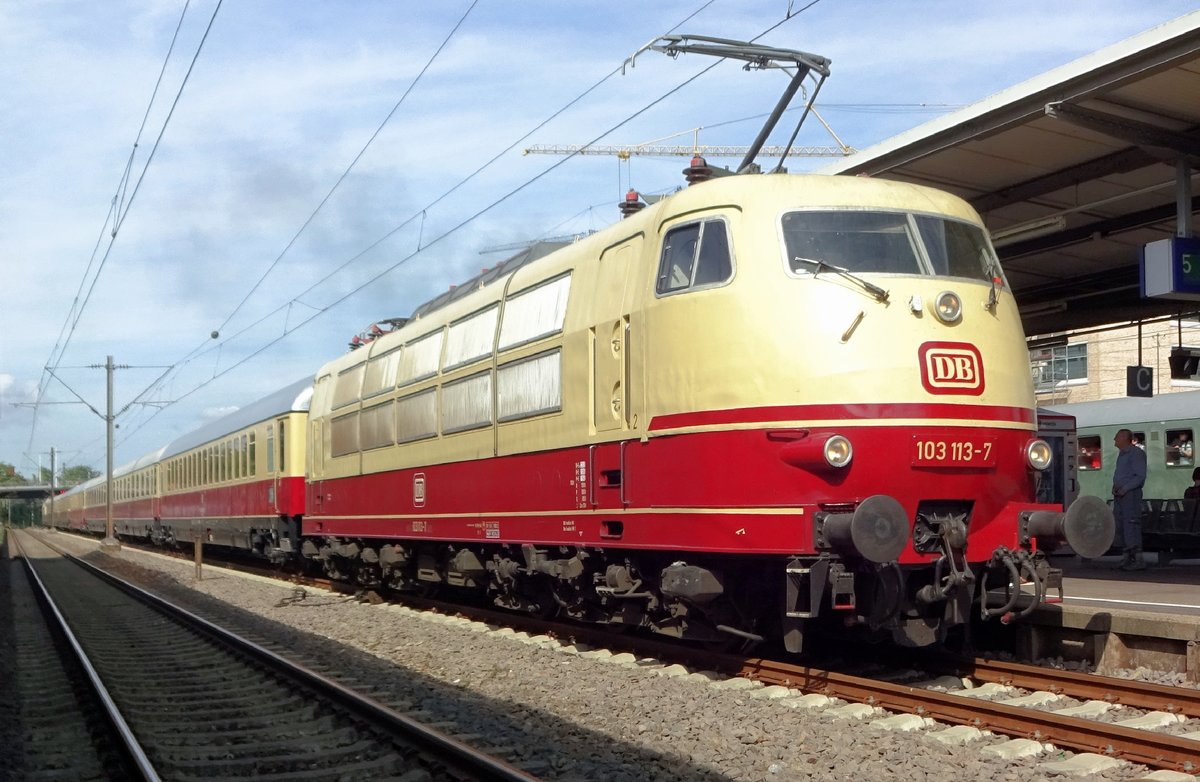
(948, 307)
(838, 451)
(1038, 454)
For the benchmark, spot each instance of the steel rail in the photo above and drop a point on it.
(465, 759)
(1140, 746)
(1127, 692)
(130, 746)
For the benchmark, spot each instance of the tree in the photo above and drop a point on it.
(77, 474)
(9, 475)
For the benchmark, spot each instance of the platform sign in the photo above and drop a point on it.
(1170, 269)
(1139, 381)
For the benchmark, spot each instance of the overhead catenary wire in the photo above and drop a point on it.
(451, 230)
(217, 374)
(118, 211)
(416, 80)
(118, 198)
(204, 347)
(201, 350)
(444, 235)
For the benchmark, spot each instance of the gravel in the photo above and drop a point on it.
(561, 715)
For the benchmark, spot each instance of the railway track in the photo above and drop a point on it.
(1031, 716)
(55, 725)
(193, 701)
(1014, 713)
(1071, 728)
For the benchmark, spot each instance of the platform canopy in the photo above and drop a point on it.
(1073, 171)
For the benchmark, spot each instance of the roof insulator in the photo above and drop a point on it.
(698, 171)
(632, 203)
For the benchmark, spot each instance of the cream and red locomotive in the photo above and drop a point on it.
(763, 402)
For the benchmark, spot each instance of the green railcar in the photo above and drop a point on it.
(1164, 426)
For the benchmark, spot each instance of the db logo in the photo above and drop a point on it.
(951, 368)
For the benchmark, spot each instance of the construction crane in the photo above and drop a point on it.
(706, 150)
(654, 149)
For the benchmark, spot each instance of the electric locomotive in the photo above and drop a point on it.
(761, 403)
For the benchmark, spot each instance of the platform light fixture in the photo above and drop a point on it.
(1033, 229)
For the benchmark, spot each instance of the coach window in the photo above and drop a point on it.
(535, 312)
(419, 359)
(695, 255)
(530, 387)
(1090, 453)
(467, 403)
(282, 447)
(470, 338)
(381, 373)
(270, 449)
(1139, 439)
(376, 426)
(416, 416)
(253, 465)
(343, 436)
(1179, 448)
(349, 382)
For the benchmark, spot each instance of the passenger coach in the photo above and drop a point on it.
(239, 481)
(236, 482)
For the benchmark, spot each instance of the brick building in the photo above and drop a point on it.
(1085, 367)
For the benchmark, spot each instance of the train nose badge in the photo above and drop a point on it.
(951, 368)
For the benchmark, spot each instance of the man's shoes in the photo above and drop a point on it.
(1133, 559)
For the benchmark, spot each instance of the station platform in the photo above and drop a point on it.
(1099, 583)
(1119, 619)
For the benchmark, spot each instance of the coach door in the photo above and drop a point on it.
(610, 337)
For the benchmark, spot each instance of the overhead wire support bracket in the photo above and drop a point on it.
(756, 57)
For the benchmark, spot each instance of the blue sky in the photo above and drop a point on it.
(282, 98)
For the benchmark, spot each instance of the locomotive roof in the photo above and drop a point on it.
(1182, 406)
(815, 190)
(507, 266)
(294, 397)
(773, 192)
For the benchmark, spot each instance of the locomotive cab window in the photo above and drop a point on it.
(1179, 448)
(695, 255)
(855, 241)
(958, 249)
(886, 243)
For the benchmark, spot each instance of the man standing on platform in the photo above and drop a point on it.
(1128, 478)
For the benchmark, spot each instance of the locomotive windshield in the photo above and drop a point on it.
(888, 243)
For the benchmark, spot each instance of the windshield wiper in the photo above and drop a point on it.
(993, 272)
(878, 293)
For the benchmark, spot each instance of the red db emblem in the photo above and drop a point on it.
(951, 368)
